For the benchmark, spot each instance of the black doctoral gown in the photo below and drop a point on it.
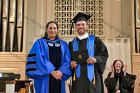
(101, 55)
(55, 58)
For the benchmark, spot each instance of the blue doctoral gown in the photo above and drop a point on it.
(39, 66)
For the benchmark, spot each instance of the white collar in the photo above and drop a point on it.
(83, 36)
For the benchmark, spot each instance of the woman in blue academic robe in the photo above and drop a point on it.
(48, 62)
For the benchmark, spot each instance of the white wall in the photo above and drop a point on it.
(35, 20)
(118, 18)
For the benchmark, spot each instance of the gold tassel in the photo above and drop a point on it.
(74, 77)
(94, 81)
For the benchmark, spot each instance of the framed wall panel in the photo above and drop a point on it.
(137, 25)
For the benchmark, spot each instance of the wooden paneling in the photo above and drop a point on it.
(13, 62)
(136, 71)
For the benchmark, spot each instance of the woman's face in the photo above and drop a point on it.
(118, 65)
(52, 31)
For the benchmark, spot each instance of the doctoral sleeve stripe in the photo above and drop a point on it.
(31, 62)
(31, 69)
(31, 55)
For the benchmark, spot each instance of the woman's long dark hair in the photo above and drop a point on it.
(47, 25)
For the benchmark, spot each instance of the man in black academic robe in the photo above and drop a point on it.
(87, 76)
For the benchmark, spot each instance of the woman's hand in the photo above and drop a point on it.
(112, 68)
(112, 71)
(57, 74)
(124, 69)
(54, 74)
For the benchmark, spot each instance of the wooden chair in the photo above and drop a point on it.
(133, 84)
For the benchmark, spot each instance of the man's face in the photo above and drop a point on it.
(81, 27)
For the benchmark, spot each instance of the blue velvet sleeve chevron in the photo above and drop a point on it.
(37, 64)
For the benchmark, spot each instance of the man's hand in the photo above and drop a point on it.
(73, 64)
(91, 60)
(118, 91)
